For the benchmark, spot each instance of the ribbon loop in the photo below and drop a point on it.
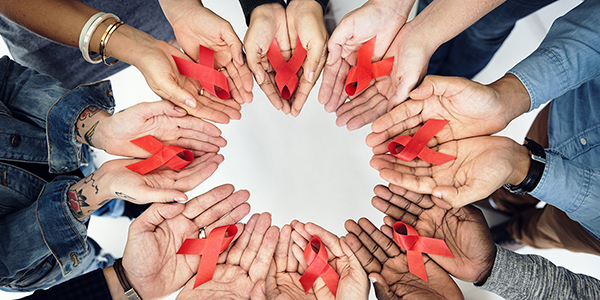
(317, 259)
(359, 77)
(285, 77)
(417, 145)
(209, 248)
(161, 155)
(210, 79)
(408, 238)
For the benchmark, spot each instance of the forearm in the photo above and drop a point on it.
(516, 276)
(88, 195)
(86, 125)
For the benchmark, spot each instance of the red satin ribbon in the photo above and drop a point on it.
(285, 76)
(161, 155)
(415, 245)
(209, 248)
(316, 256)
(204, 72)
(359, 77)
(417, 145)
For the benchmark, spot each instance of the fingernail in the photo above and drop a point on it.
(241, 57)
(259, 78)
(437, 194)
(180, 199)
(179, 109)
(328, 61)
(373, 280)
(191, 103)
(311, 76)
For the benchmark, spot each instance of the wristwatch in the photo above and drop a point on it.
(130, 293)
(536, 169)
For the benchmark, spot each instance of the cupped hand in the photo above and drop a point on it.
(482, 165)
(387, 267)
(150, 260)
(305, 20)
(267, 22)
(464, 230)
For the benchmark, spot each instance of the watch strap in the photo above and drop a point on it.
(536, 169)
(130, 293)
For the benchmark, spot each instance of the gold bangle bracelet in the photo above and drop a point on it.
(104, 41)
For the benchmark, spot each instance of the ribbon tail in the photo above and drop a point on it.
(331, 279)
(416, 265)
(434, 157)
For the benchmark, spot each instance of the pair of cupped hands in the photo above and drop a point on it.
(266, 262)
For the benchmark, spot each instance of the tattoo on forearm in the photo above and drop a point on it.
(124, 196)
(77, 204)
(88, 112)
(90, 179)
(90, 133)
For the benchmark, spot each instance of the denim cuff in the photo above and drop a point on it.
(249, 5)
(64, 151)
(65, 236)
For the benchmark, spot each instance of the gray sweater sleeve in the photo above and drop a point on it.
(517, 276)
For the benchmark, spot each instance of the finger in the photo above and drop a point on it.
(282, 249)
(338, 94)
(332, 66)
(330, 240)
(459, 197)
(262, 261)
(221, 208)
(423, 201)
(270, 90)
(162, 195)
(299, 229)
(235, 254)
(363, 114)
(170, 90)
(364, 256)
(312, 67)
(382, 290)
(377, 243)
(402, 117)
(154, 216)
(259, 291)
(198, 174)
(263, 223)
(417, 184)
(202, 203)
(192, 125)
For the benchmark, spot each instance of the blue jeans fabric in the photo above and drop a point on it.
(470, 51)
(66, 63)
(42, 243)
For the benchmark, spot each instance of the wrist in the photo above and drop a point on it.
(115, 288)
(174, 9)
(535, 170)
(128, 43)
(85, 197)
(268, 10)
(400, 8)
(521, 163)
(513, 96)
(87, 126)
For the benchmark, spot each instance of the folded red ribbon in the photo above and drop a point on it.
(417, 145)
(204, 72)
(408, 238)
(209, 248)
(285, 76)
(317, 258)
(161, 155)
(359, 77)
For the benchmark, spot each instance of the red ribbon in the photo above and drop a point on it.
(209, 248)
(317, 258)
(415, 245)
(161, 155)
(359, 77)
(417, 145)
(204, 72)
(285, 76)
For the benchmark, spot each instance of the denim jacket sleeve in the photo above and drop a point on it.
(517, 276)
(43, 114)
(566, 58)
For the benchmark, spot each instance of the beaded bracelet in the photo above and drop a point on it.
(104, 41)
(86, 35)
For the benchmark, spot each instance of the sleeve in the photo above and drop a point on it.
(517, 276)
(566, 58)
(249, 5)
(90, 286)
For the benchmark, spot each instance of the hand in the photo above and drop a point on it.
(305, 20)
(387, 266)
(150, 260)
(473, 109)
(482, 165)
(464, 230)
(379, 18)
(353, 283)
(164, 121)
(196, 25)
(267, 22)
(242, 265)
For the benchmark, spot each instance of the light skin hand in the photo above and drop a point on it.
(483, 165)
(353, 283)
(464, 230)
(387, 267)
(196, 25)
(305, 20)
(164, 121)
(267, 22)
(473, 109)
(242, 265)
(160, 232)
(381, 18)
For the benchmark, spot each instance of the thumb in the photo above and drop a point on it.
(423, 91)
(259, 291)
(157, 108)
(382, 290)
(176, 94)
(314, 58)
(154, 216)
(458, 197)
(148, 194)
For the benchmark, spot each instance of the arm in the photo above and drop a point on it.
(249, 5)
(534, 277)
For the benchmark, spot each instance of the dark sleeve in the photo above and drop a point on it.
(90, 286)
(249, 5)
(322, 2)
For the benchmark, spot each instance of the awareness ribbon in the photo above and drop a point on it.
(415, 245)
(285, 76)
(209, 248)
(316, 256)
(359, 77)
(204, 72)
(161, 155)
(417, 145)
